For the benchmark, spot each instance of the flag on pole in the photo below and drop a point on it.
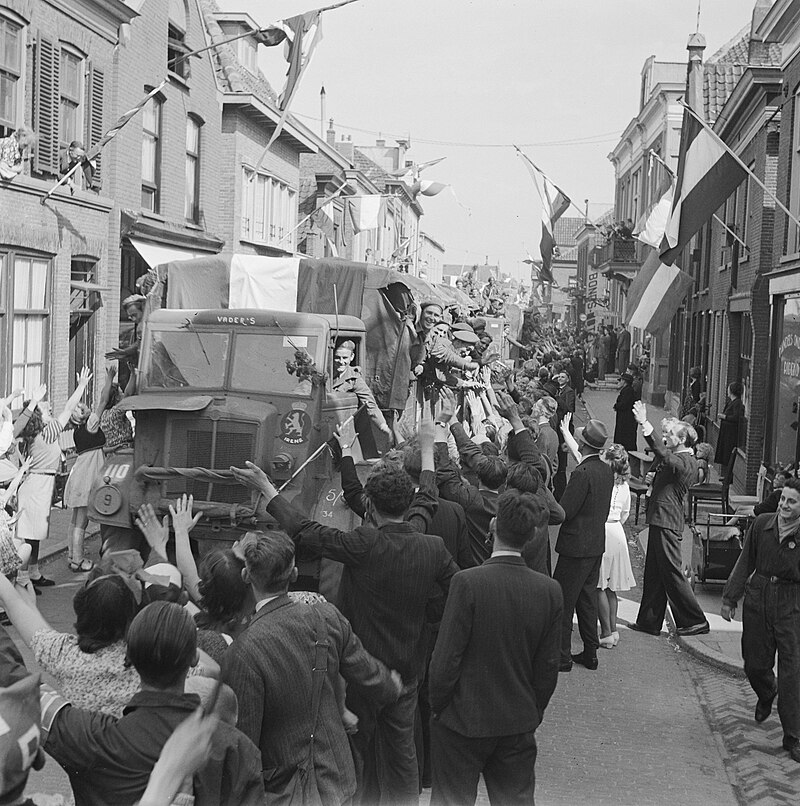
(365, 212)
(95, 150)
(651, 226)
(655, 294)
(554, 204)
(707, 174)
(303, 33)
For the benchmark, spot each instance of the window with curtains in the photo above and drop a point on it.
(269, 210)
(24, 319)
(192, 205)
(12, 66)
(151, 155)
(71, 89)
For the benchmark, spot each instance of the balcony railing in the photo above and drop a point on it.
(618, 251)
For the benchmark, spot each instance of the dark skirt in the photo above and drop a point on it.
(727, 440)
(625, 430)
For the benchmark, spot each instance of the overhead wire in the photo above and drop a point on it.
(593, 139)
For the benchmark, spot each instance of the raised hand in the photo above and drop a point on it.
(427, 428)
(39, 393)
(565, 423)
(84, 376)
(345, 434)
(155, 532)
(640, 412)
(182, 519)
(506, 406)
(254, 478)
(447, 405)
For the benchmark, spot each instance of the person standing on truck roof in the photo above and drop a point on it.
(348, 379)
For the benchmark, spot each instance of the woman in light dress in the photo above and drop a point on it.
(616, 573)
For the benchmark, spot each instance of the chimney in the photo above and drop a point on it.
(694, 73)
(330, 135)
(380, 143)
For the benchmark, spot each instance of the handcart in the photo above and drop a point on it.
(716, 546)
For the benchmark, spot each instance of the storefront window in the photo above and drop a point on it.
(788, 397)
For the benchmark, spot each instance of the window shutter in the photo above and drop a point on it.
(46, 105)
(96, 82)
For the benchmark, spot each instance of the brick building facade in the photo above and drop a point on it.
(781, 287)
(56, 264)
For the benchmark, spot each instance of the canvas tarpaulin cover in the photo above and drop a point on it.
(381, 297)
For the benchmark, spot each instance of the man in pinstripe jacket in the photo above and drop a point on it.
(269, 666)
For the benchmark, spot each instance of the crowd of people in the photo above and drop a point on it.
(221, 682)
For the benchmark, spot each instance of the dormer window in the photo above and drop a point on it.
(245, 48)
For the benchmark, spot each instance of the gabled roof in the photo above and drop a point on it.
(371, 170)
(565, 230)
(722, 71)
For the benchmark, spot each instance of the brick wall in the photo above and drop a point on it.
(66, 226)
(243, 141)
(140, 63)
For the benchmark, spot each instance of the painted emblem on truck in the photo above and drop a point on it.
(295, 427)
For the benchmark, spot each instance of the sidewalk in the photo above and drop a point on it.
(722, 646)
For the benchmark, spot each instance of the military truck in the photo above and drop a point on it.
(219, 386)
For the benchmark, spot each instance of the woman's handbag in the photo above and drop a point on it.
(300, 789)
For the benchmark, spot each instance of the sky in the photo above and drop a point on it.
(458, 76)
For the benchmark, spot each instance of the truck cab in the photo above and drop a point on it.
(220, 387)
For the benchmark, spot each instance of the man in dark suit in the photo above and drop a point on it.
(449, 520)
(268, 668)
(581, 543)
(623, 349)
(676, 471)
(391, 571)
(494, 668)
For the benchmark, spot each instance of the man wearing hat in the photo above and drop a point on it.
(464, 340)
(433, 354)
(128, 351)
(581, 543)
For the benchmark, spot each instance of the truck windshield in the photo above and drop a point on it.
(186, 357)
(260, 363)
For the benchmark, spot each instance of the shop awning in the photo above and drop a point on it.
(155, 254)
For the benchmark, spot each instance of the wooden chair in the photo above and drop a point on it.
(732, 502)
(639, 489)
(710, 491)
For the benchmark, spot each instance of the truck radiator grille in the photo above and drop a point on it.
(216, 445)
